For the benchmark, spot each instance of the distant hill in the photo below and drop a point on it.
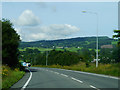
(86, 42)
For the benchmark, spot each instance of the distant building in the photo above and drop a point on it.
(106, 46)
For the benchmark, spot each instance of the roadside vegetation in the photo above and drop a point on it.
(10, 76)
(73, 54)
(12, 71)
(106, 69)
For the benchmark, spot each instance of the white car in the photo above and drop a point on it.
(26, 64)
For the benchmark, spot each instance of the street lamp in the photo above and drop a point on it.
(96, 36)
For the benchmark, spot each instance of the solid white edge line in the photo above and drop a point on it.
(27, 81)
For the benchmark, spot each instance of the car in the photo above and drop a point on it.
(24, 64)
(28, 64)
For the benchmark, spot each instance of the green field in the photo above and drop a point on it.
(71, 49)
(114, 42)
(40, 49)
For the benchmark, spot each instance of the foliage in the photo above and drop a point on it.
(54, 57)
(107, 69)
(117, 36)
(10, 42)
(116, 53)
(62, 58)
(9, 76)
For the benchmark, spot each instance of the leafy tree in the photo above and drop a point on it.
(63, 58)
(117, 52)
(117, 36)
(10, 42)
(106, 55)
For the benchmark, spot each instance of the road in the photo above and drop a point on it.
(37, 77)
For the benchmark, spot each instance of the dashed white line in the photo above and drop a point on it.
(64, 75)
(51, 71)
(56, 72)
(100, 75)
(76, 80)
(27, 81)
(94, 87)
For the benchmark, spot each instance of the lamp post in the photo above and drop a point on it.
(46, 57)
(96, 36)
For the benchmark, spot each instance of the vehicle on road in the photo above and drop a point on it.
(26, 64)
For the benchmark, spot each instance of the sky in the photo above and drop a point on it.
(35, 21)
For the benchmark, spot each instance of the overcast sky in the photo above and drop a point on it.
(35, 21)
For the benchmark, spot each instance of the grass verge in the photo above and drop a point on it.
(10, 77)
(106, 69)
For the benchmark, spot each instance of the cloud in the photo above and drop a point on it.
(52, 32)
(27, 18)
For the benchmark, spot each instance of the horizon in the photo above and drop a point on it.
(71, 38)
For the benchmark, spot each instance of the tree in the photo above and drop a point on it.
(10, 42)
(118, 48)
(117, 36)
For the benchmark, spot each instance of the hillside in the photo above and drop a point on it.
(82, 42)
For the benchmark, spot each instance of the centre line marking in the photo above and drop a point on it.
(27, 81)
(64, 75)
(56, 72)
(94, 87)
(76, 80)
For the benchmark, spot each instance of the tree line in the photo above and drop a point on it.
(10, 43)
(54, 57)
(85, 42)
(11, 55)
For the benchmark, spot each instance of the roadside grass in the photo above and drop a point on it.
(10, 77)
(106, 69)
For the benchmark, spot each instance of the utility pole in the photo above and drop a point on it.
(46, 57)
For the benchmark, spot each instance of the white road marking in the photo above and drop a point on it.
(64, 75)
(94, 87)
(27, 81)
(56, 72)
(77, 80)
(51, 71)
(101, 75)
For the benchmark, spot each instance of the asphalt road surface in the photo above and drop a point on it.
(36, 77)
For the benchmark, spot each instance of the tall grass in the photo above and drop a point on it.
(9, 76)
(106, 69)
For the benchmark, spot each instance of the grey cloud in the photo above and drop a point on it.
(52, 32)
